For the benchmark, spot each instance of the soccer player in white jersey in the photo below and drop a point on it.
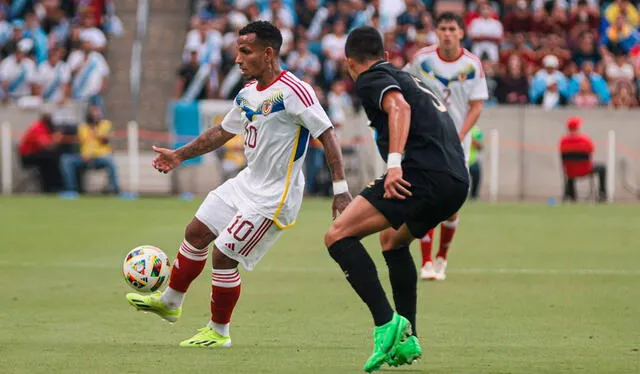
(457, 76)
(277, 113)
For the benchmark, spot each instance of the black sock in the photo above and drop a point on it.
(404, 282)
(363, 277)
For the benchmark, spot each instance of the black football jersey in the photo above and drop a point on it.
(433, 142)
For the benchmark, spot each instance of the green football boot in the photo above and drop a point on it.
(385, 339)
(152, 303)
(405, 353)
(207, 337)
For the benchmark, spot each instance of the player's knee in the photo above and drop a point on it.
(197, 234)
(333, 235)
(221, 261)
(386, 241)
(390, 240)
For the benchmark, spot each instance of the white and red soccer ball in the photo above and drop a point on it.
(146, 268)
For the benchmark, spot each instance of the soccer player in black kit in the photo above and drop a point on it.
(425, 183)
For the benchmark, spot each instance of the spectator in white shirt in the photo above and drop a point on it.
(53, 77)
(486, 34)
(301, 62)
(338, 101)
(287, 38)
(17, 72)
(333, 49)
(208, 38)
(620, 70)
(90, 73)
(277, 11)
(549, 86)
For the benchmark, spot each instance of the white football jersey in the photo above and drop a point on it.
(90, 74)
(457, 82)
(276, 122)
(52, 80)
(18, 75)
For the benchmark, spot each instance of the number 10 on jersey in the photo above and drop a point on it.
(250, 136)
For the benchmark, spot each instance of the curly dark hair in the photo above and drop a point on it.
(266, 32)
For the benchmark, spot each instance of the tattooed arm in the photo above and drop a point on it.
(333, 154)
(212, 139)
(208, 141)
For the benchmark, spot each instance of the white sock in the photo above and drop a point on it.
(172, 298)
(222, 329)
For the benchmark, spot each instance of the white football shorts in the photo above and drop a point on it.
(242, 234)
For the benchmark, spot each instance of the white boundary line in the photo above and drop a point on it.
(325, 270)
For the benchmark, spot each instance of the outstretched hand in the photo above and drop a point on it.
(166, 160)
(340, 203)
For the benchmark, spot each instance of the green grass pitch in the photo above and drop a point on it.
(530, 289)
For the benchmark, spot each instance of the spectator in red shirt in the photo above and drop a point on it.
(576, 150)
(549, 19)
(39, 149)
(519, 19)
(584, 19)
(526, 55)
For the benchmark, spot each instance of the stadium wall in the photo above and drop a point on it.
(528, 161)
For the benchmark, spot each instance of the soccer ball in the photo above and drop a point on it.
(146, 268)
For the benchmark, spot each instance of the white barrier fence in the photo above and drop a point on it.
(131, 160)
(6, 152)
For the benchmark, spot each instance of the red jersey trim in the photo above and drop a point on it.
(299, 89)
(447, 60)
(271, 84)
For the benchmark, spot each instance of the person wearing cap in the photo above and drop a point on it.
(576, 150)
(53, 77)
(90, 72)
(549, 86)
(17, 72)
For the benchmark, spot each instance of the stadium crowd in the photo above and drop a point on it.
(555, 53)
(52, 50)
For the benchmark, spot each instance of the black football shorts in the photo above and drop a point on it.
(436, 197)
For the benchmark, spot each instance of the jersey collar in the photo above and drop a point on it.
(271, 84)
(447, 60)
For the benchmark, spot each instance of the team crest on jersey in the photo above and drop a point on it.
(266, 108)
(468, 72)
(272, 104)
